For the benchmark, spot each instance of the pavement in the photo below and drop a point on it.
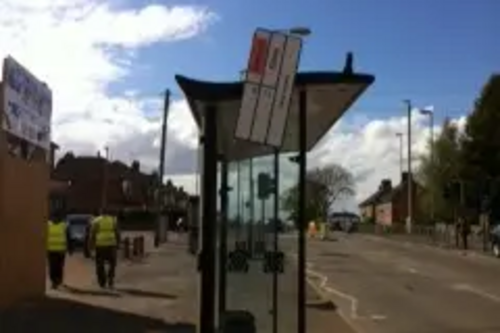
(386, 286)
(160, 294)
(157, 294)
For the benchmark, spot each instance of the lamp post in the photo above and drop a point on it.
(429, 113)
(400, 137)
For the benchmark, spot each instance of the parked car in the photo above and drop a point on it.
(495, 240)
(78, 225)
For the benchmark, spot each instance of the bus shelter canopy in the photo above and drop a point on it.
(329, 96)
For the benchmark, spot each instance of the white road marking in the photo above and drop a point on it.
(323, 286)
(476, 291)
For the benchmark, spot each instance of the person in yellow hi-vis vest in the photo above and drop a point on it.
(105, 237)
(58, 244)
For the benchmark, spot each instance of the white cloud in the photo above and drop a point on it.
(369, 149)
(80, 47)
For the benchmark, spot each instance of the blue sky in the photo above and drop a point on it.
(434, 52)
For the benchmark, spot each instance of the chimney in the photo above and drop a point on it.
(136, 166)
(385, 185)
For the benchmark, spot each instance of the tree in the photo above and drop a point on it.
(324, 186)
(435, 175)
(481, 146)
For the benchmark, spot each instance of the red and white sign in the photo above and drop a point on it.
(268, 87)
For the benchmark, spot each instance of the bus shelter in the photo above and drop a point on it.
(248, 271)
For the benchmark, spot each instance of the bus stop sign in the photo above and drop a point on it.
(268, 87)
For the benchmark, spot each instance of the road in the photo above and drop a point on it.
(252, 291)
(385, 286)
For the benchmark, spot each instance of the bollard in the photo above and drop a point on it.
(126, 248)
(141, 245)
(135, 247)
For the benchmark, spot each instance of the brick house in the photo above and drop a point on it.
(389, 205)
(94, 181)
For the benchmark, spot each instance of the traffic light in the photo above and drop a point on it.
(265, 185)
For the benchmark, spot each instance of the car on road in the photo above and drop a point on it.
(344, 221)
(78, 226)
(495, 240)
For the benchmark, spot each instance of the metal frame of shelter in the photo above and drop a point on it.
(319, 100)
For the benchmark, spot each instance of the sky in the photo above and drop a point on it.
(109, 61)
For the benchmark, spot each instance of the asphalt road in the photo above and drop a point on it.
(252, 291)
(385, 286)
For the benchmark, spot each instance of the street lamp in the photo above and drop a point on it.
(400, 136)
(430, 113)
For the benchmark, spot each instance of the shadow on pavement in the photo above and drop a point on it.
(64, 316)
(116, 292)
(144, 293)
(89, 292)
(335, 254)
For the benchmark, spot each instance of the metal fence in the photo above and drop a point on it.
(441, 235)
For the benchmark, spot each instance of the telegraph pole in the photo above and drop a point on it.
(104, 194)
(161, 171)
(166, 106)
(410, 175)
(400, 137)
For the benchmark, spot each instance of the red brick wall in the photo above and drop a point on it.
(400, 204)
(91, 176)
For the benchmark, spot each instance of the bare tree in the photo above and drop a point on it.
(324, 187)
(331, 183)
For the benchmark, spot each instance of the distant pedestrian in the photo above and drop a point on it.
(105, 238)
(464, 233)
(58, 244)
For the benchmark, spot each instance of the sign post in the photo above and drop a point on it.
(268, 87)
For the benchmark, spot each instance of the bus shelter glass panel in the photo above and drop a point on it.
(248, 238)
(287, 278)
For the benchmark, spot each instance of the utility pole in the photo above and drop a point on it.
(410, 175)
(166, 106)
(400, 137)
(161, 171)
(104, 193)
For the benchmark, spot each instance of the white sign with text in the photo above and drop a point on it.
(268, 87)
(27, 105)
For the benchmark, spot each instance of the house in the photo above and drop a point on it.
(94, 182)
(389, 205)
(368, 206)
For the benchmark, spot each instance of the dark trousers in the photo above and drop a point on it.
(465, 237)
(56, 262)
(105, 264)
